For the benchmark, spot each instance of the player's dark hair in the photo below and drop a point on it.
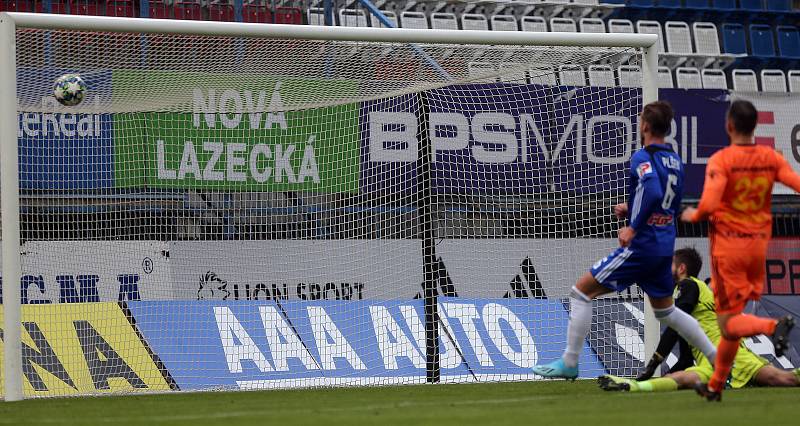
(689, 257)
(744, 116)
(659, 116)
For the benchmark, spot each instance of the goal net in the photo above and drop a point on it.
(251, 211)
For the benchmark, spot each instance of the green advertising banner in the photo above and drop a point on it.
(234, 132)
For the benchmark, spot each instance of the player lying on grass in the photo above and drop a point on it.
(655, 183)
(693, 296)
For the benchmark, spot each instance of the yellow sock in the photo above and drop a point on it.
(661, 384)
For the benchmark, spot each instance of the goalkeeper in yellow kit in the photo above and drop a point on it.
(694, 297)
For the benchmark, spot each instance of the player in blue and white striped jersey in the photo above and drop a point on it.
(646, 245)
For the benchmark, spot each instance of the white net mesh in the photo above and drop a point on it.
(241, 213)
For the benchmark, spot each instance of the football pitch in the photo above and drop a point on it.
(545, 403)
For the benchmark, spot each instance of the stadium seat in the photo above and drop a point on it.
(679, 39)
(652, 27)
(86, 7)
(754, 5)
(744, 80)
(504, 23)
(714, 79)
(630, 76)
(642, 3)
(316, 16)
(517, 77)
(592, 25)
(779, 5)
(16, 6)
(188, 11)
(601, 76)
(706, 38)
(444, 21)
(390, 16)
(734, 39)
(124, 8)
(56, 6)
(665, 78)
(697, 4)
(474, 21)
(534, 24)
(563, 25)
(688, 78)
(622, 26)
(670, 3)
(761, 40)
(773, 81)
(478, 72)
(411, 19)
(794, 81)
(544, 75)
(588, 2)
(788, 41)
(256, 13)
(289, 15)
(353, 18)
(221, 12)
(723, 4)
(571, 75)
(159, 10)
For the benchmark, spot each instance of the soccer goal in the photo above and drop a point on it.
(248, 206)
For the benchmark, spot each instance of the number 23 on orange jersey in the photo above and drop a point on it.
(752, 193)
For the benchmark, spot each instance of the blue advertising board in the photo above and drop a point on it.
(260, 344)
(63, 148)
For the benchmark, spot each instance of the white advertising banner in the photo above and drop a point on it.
(778, 126)
(95, 271)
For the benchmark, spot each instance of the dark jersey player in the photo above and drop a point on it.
(646, 244)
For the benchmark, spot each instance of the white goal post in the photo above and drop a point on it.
(12, 24)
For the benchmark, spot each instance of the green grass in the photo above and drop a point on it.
(540, 403)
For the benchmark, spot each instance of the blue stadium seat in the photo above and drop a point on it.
(761, 40)
(788, 42)
(723, 4)
(751, 4)
(642, 3)
(733, 39)
(697, 4)
(779, 5)
(670, 3)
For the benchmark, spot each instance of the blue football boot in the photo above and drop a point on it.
(556, 369)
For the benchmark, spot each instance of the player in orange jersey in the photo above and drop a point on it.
(737, 203)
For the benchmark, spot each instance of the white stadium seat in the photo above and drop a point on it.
(601, 76)
(688, 78)
(544, 75)
(665, 78)
(679, 38)
(480, 70)
(418, 20)
(630, 76)
(773, 81)
(794, 81)
(706, 38)
(444, 21)
(571, 75)
(652, 27)
(504, 23)
(620, 26)
(316, 16)
(474, 21)
(391, 16)
(513, 77)
(563, 25)
(744, 80)
(353, 18)
(714, 79)
(533, 24)
(592, 25)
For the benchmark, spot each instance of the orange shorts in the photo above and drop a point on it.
(737, 279)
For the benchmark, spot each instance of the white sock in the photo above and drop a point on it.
(688, 328)
(580, 321)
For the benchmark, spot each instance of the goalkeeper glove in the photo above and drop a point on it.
(651, 367)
